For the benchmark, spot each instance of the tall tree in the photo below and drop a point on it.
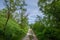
(51, 9)
(12, 6)
(23, 15)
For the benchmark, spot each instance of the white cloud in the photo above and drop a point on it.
(33, 10)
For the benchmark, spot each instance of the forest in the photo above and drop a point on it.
(14, 23)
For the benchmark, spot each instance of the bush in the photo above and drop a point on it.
(46, 33)
(13, 30)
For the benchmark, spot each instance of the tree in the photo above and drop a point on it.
(51, 9)
(50, 24)
(23, 18)
(12, 6)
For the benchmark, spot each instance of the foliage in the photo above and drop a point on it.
(13, 30)
(9, 28)
(12, 6)
(51, 8)
(50, 22)
(45, 32)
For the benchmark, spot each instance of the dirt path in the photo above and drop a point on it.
(30, 35)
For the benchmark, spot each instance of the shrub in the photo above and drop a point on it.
(46, 33)
(12, 31)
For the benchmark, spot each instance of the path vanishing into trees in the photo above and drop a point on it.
(30, 35)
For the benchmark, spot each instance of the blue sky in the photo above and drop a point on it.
(1, 4)
(32, 9)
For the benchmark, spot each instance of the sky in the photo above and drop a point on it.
(32, 9)
(1, 4)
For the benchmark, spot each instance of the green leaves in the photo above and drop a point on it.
(48, 27)
(51, 9)
(13, 30)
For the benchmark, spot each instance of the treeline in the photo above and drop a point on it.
(13, 24)
(48, 27)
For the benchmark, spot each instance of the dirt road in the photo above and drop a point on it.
(30, 35)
